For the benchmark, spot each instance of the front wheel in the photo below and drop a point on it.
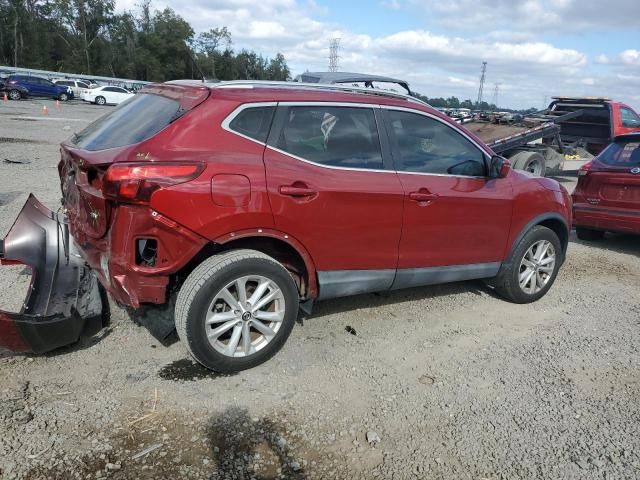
(236, 310)
(532, 268)
(101, 101)
(63, 97)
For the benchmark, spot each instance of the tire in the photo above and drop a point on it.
(508, 284)
(588, 234)
(101, 100)
(63, 97)
(15, 94)
(531, 162)
(205, 291)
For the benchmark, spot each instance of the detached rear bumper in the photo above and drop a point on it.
(64, 300)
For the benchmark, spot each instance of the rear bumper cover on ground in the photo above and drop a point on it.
(64, 300)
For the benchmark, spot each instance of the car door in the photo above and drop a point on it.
(48, 89)
(332, 187)
(456, 219)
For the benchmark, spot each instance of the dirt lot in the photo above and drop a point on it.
(448, 382)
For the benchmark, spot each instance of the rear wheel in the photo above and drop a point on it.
(236, 310)
(15, 94)
(533, 267)
(531, 162)
(101, 100)
(588, 234)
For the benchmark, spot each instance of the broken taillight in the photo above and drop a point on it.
(135, 182)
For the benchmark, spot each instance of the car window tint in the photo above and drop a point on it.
(133, 121)
(426, 145)
(335, 136)
(629, 118)
(109, 89)
(253, 122)
(621, 154)
(82, 85)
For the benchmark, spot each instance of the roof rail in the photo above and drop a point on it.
(309, 86)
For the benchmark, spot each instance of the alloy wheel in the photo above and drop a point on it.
(245, 316)
(537, 266)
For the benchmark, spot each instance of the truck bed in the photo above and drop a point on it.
(490, 132)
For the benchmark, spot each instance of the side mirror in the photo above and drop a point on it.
(499, 167)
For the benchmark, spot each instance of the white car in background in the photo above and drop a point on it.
(108, 95)
(76, 86)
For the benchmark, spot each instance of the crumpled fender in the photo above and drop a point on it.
(64, 300)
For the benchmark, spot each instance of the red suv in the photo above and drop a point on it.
(607, 196)
(245, 202)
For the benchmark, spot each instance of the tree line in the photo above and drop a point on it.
(89, 37)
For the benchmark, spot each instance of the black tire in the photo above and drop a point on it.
(15, 94)
(63, 97)
(507, 283)
(101, 100)
(201, 287)
(588, 234)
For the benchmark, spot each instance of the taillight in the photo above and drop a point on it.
(585, 169)
(135, 182)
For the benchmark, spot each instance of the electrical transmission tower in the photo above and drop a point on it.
(483, 71)
(334, 45)
(496, 90)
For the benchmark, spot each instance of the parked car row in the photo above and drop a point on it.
(17, 87)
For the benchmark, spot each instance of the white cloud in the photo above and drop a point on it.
(527, 67)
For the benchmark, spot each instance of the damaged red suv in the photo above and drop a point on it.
(236, 205)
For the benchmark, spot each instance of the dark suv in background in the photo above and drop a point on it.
(22, 86)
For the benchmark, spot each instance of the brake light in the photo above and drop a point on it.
(585, 169)
(135, 182)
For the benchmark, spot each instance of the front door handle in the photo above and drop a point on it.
(293, 191)
(423, 196)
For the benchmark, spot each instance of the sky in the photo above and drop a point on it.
(534, 49)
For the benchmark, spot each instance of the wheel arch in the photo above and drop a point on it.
(280, 246)
(554, 222)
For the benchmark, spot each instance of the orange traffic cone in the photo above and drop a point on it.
(5, 97)
(45, 110)
(57, 103)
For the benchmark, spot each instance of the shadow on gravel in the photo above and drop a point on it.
(621, 243)
(187, 370)
(329, 307)
(246, 449)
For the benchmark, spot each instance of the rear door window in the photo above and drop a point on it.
(253, 122)
(133, 121)
(344, 137)
(621, 154)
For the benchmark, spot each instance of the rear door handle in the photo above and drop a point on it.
(422, 196)
(292, 191)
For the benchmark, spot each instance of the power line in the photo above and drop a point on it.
(483, 71)
(334, 46)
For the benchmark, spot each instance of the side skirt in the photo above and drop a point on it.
(342, 283)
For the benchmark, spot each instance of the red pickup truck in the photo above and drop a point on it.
(600, 121)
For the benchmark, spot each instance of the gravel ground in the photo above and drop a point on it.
(447, 382)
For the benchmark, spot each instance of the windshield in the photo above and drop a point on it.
(133, 121)
(622, 154)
